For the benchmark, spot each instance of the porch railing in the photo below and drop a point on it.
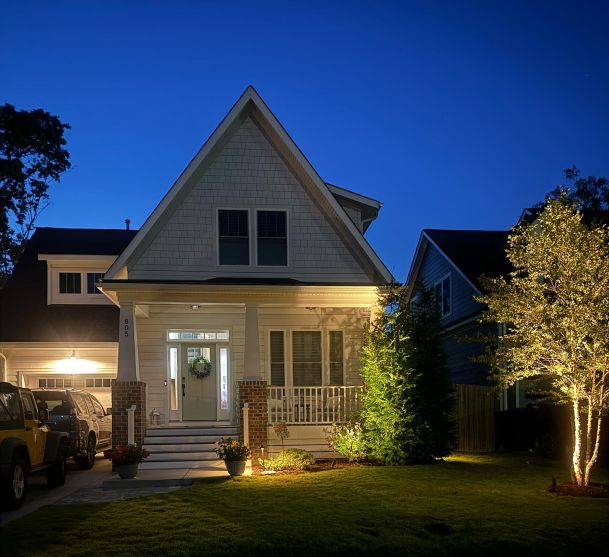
(313, 405)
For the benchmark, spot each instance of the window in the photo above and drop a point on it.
(442, 290)
(233, 237)
(69, 283)
(336, 357)
(272, 241)
(197, 335)
(277, 350)
(92, 278)
(306, 358)
(29, 407)
(223, 378)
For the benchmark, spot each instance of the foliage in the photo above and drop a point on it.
(347, 440)
(407, 396)
(290, 459)
(434, 394)
(128, 454)
(32, 154)
(200, 367)
(556, 307)
(590, 193)
(387, 414)
(281, 431)
(232, 449)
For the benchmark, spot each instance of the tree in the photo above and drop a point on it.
(32, 154)
(590, 193)
(407, 398)
(434, 394)
(556, 307)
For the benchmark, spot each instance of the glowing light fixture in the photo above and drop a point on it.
(194, 306)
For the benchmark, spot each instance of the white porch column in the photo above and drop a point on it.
(128, 363)
(252, 344)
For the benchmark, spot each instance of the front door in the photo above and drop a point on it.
(199, 394)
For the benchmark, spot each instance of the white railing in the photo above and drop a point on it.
(312, 405)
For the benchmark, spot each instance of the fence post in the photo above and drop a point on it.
(131, 424)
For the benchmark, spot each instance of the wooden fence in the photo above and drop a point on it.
(475, 418)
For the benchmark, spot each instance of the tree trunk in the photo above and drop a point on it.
(592, 460)
(577, 471)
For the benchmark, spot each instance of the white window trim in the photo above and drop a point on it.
(440, 281)
(249, 232)
(55, 297)
(287, 237)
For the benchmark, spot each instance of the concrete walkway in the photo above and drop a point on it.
(99, 485)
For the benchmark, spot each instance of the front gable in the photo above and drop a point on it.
(250, 165)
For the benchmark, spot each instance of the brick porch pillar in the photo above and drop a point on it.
(124, 395)
(254, 393)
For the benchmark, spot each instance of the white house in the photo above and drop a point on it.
(253, 263)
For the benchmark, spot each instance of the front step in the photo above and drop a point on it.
(183, 448)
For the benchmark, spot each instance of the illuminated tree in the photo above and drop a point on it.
(556, 307)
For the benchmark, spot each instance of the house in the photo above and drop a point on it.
(240, 303)
(452, 262)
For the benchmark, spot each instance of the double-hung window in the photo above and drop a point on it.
(335, 342)
(277, 358)
(69, 283)
(233, 237)
(306, 358)
(272, 238)
(443, 294)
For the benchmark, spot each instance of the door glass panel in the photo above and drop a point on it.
(223, 378)
(173, 376)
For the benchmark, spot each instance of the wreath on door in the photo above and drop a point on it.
(200, 367)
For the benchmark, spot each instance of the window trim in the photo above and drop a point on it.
(287, 236)
(249, 237)
(440, 281)
(54, 296)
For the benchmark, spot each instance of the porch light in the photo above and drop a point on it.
(194, 307)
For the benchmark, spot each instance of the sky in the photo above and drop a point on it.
(453, 114)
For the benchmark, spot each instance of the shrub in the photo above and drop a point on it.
(290, 459)
(347, 440)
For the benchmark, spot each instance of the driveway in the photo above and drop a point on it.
(39, 494)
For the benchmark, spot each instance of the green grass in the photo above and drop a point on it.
(474, 505)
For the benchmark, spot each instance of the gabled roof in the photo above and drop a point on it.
(251, 100)
(471, 252)
(80, 241)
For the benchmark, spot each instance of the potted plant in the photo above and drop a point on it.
(126, 459)
(234, 454)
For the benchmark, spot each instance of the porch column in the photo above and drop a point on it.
(128, 364)
(251, 369)
(128, 390)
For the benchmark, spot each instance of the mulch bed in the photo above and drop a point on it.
(591, 490)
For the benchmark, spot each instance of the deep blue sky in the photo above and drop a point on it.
(454, 114)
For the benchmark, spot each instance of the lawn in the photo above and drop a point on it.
(474, 505)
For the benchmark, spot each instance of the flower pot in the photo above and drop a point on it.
(127, 471)
(235, 467)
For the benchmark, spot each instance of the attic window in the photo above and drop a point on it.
(69, 283)
(272, 238)
(233, 237)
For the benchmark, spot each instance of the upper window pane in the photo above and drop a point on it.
(92, 278)
(233, 237)
(69, 283)
(272, 238)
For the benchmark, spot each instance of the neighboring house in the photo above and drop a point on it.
(452, 262)
(56, 329)
(251, 262)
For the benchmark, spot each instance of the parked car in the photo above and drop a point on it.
(27, 446)
(82, 417)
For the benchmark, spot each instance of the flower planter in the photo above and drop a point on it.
(127, 471)
(235, 467)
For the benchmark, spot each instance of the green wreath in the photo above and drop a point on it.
(200, 367)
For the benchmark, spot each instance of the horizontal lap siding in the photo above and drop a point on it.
(246, 172)
(352, 321)
(152, 343)
(309, 438)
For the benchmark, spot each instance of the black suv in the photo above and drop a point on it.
(81, 415)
